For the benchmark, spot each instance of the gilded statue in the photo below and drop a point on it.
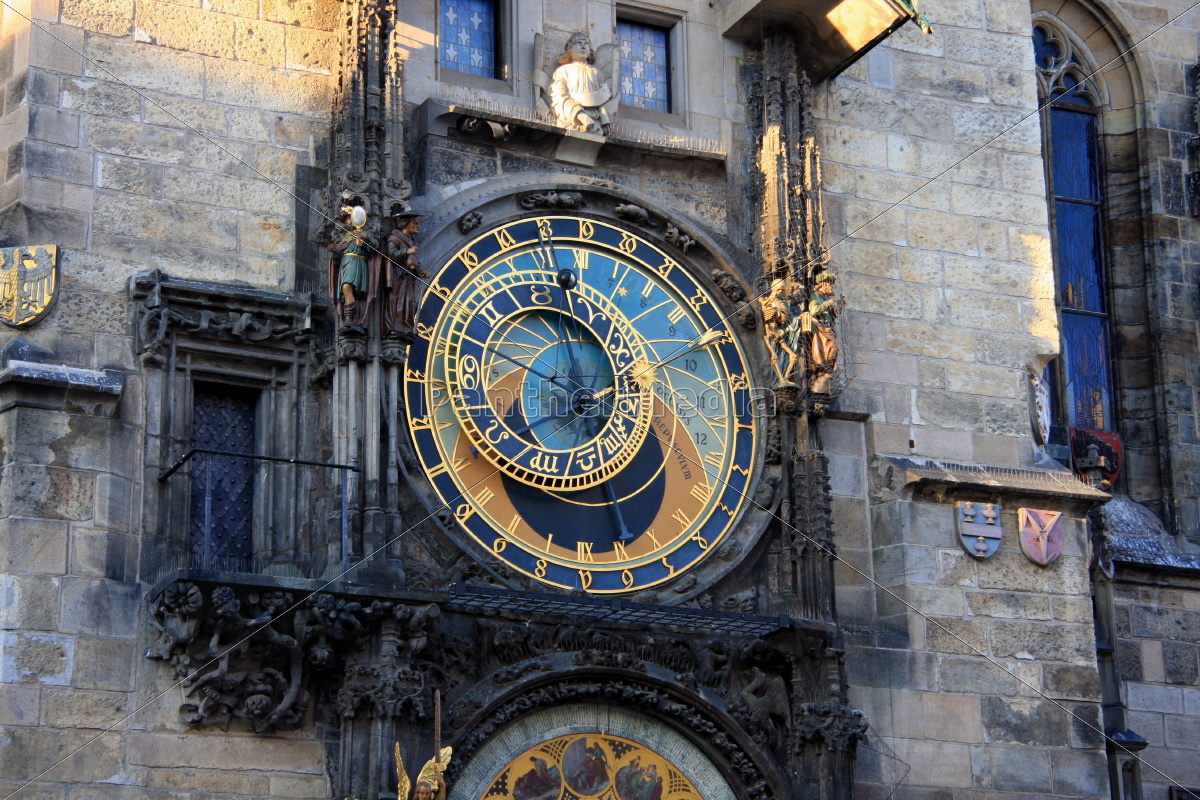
(823, 309)
(579, 92)
(430, 783)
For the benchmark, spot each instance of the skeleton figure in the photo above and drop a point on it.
(578, 94)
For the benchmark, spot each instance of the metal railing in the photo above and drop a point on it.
(211, 518)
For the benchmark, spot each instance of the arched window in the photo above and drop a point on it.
(1081, 378)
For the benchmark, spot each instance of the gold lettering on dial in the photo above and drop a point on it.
(619, 552)
(585, 578)
(583, 551)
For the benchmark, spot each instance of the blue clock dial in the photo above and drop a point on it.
(576, 398)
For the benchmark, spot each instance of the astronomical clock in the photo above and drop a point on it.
(582, 403)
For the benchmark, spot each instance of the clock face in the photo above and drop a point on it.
(577, 400)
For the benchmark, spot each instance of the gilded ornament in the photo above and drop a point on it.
(28, 283)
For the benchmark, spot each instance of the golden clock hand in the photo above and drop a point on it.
(706, 338)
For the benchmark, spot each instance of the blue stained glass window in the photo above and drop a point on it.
(1077, 242)
(467, 36)
(1085, 351)
(645, 79)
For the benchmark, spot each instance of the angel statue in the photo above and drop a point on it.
(580, 91)
(430, 783)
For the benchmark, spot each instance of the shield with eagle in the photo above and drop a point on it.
(28, 283)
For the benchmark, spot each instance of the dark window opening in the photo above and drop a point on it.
(221, 526)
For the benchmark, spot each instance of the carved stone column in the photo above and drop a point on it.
(368, 169)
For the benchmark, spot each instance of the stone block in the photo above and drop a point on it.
(56, 48)
(134, 140)
(212, 781)
(128, 175)
(53, 755)
(1153, 670)
(53, 162)
(192, 30)
(1030, 722)
(251, 125)
(311, 50)
(982, 379)
(1008, 605)
(92, 313)
(301, 13)
(901, 669)
(1191, 699)
(184, 224)
(933, 374)
(1019, 769)
(104, 663)
(79, 708)
(1078, 773)
(99, 607)
(186, 114)
(300, 786)
(948, 410)
(1166, 623)
(1045, 642)
(998, 451)
(229, 752)
(1150, 697)
(145, 66)
(265, 234)
(44, 658)
(19, 704)
(33, 545)
(942, 444)
(1148, 725)
(931, 230)
(975, 676)
(28, 602)
(1073, 682)
(260, 42)
(1009, 570)
(952, 718)
(251, 86)
(111, 17)
(1017, 352)
(938, 764)
(100, 98)
(46, 492)
(275, 163)
(1180, 663)
(54, 125)
(956, 636)
(846, 475)
(956, 568)
(226, 191)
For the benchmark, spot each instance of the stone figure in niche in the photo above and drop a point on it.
(430, 783)
(823, 309)
(580, 90)
(782, 323)
(403, 276)
(353, 267)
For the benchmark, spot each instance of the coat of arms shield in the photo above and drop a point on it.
(28, 283)
(1041, 534)
(979, 528)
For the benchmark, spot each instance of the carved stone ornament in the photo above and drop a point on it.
(1041, 535)
(979, 528)
(552, 199)
(1039, 409)
(28, 283)
(167, 306)
(680, 240)
(635, 214)
(469, 222)
(838, 726)
(576, 85)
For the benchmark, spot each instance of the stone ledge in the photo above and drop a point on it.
(59, 388)
(941, 478)
(438, 118)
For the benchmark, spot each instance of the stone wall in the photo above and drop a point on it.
(138, 135)
(949, 284)
(1158, 629)
(167, 135)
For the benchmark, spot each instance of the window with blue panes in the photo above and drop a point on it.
(467, 40)
(645, 78)
(1080, 379)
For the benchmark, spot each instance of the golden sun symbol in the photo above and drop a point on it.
(643, 374)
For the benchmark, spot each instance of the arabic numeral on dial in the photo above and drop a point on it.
(689, 364)
(701, 439)
(670, 330)
(541, 296)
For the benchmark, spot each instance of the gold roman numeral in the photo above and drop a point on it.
(583, 551)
